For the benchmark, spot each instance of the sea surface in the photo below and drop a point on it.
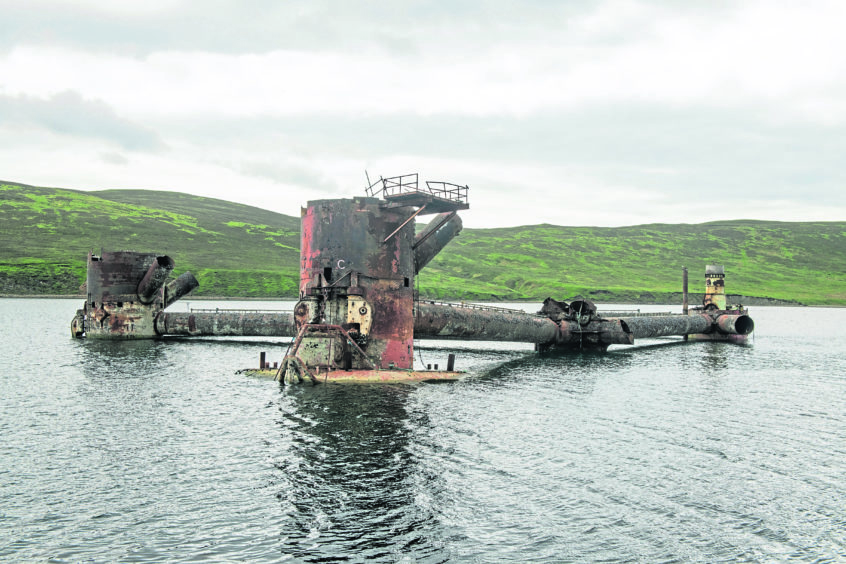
(153, 451)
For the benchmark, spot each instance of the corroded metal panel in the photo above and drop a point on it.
(114, 276)
(341, 237)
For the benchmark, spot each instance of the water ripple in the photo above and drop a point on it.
(668, 452)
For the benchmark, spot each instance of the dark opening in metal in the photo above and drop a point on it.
(744, 325)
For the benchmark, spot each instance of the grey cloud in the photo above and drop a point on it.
(289, 174)
(683, 154)
(254, 26)
(114, 158)
(70, 114)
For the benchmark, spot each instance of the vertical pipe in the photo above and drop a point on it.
(684, 291)
(262, 357)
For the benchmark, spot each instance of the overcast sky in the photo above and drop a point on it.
(566, 112)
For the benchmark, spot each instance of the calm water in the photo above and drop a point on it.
(159, 451)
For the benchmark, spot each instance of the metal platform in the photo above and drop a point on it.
(436, 197)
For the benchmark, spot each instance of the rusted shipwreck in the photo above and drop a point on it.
(358, 314)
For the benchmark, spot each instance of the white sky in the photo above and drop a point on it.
(572, 113)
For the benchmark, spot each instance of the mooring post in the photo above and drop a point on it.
(262, 357)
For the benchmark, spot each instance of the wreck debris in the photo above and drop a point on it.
(358, 316)
(359, 258)
(125, 292)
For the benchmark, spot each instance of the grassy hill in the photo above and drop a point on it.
(232, 249)
(804, 262)
(238, 250)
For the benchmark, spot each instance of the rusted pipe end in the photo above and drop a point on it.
(735, 324)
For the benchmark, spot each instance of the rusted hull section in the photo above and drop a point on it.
(589, 331)
(125, 292)
(225, 324)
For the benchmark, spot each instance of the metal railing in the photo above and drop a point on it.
(409, 184)
(448, 191)
(223, 310)
(634, 313)
(469, 306)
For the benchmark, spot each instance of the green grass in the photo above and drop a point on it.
(242, 251)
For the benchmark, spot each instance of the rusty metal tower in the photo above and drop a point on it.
(359, 258)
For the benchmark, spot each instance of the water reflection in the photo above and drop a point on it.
(574, 373)
(115, 359)
(345, 478)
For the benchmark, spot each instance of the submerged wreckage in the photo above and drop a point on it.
(358, 315)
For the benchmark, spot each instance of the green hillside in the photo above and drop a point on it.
(232, 249)
(803, 262)
(242, 251)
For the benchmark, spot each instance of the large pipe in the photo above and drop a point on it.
(731, 324)
(207, 324)
(444, 321)
(597, 334)
(648, 327)
(434, 237)
(154, 279)
(175, 289)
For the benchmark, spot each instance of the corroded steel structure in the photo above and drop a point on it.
(359, 258)
(715, 287)
(358, 315)
(125, 292)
